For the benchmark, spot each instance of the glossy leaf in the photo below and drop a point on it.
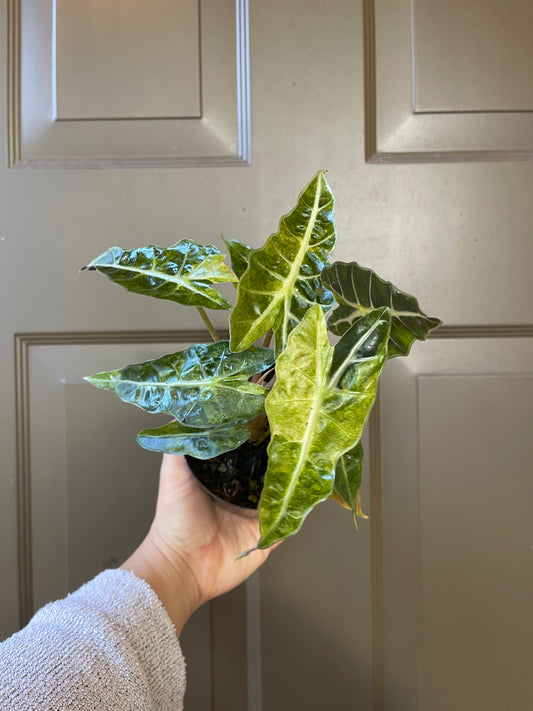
(317, 410)
(239, 255)
(199, 442)
(348, 475)
(282, 280)
(182, 273)
(359, 290)
(203, 385)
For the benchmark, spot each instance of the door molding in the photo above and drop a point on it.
(23, 344)
(396, 132)
(220, 136)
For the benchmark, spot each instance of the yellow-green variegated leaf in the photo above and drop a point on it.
(199, 442)
(182, 273)
(283, 277)
(239, 254)
(201, 386)
(317, 410)
(359, 290)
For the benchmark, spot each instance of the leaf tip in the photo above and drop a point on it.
(358, 511)
(338, 498)
(103, 381)
(244, 554)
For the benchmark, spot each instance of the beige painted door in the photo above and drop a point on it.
(131, 123)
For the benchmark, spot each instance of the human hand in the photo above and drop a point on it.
(189, 555)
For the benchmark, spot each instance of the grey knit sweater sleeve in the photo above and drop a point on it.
(108, 646)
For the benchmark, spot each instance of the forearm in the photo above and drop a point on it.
(169, 577)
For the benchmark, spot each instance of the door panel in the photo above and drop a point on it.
(144, 44)
(105, 85)
(335, 618)
(447, 82)
(480, 59)
(456, 497)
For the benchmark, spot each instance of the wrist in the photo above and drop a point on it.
(170, 578)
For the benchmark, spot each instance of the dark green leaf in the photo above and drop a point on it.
(199, 442)
(239, 255)
(317, 410)
(183, 272)
(359, 290)
(203, 385)
(348, 474)
(283, 278)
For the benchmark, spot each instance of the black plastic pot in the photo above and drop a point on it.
(235, 477)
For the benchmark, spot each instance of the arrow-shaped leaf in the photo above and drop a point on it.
(203, 385)
(199, 442)
(282, 280)
(181, 273)
(359, 290)
(317, 410)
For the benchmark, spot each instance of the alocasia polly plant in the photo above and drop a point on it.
(308, 398)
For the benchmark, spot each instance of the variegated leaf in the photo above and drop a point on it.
(317, 410)
(182, 273)
(199, 442)
(359, 290)
(283, 277)
(203, 385)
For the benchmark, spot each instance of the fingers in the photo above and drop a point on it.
(176, 480)
(173, 465)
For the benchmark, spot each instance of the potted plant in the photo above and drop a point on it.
(271, 418)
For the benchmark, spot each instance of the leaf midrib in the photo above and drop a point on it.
(282, 294)
(366, 309)
(295, 269)
(342, 367)
(314, 415)
(161, 275)
(188, 383)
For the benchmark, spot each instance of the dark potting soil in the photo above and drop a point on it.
(237, 476)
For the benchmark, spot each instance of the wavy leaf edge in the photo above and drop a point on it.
(346, 280)
(183, 272)
(194, 385)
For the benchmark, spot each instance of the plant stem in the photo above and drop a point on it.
(263, 377)
(268, 338)
(210, 327)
